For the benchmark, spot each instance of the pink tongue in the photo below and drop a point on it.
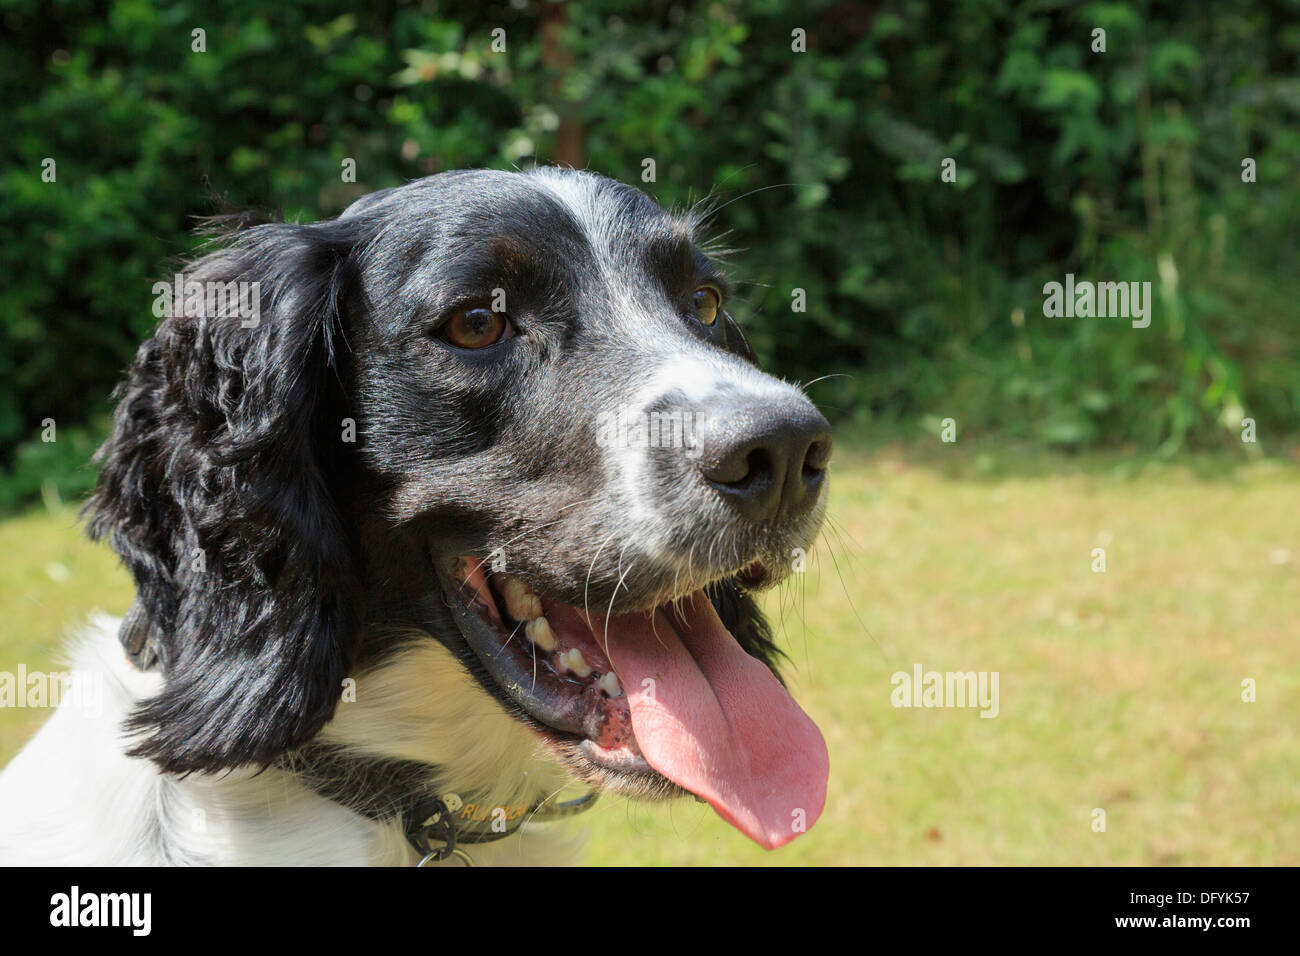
(716, 722)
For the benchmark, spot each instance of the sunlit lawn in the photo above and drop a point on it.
(1119, 690)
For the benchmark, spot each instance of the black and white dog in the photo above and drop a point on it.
(473, 508)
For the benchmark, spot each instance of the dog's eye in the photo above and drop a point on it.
(475, 328)
(708, 303)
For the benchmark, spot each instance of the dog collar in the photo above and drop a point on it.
(435, 819)
(436, 824)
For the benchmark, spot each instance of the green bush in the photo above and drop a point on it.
(824, 166)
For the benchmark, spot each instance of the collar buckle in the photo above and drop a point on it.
(431, 819)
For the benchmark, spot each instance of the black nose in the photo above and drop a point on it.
(766, 459)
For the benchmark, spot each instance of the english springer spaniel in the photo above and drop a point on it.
(469, 509)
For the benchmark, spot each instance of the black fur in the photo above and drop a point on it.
(219, 492)
(271, 556)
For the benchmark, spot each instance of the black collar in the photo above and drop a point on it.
(383, 789)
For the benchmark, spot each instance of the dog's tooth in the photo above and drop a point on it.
(521, 602)
(609, 684)
(538, 630)
(573, 662)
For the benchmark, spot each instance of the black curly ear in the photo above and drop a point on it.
(219, 490)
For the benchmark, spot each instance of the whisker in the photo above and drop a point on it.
(586, 589)
(760, 189)
(843, 587)
(613, 597)
(807, 385)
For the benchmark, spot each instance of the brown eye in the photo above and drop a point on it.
(708, 303)
(475, 328)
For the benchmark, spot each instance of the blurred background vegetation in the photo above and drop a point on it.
(1122, 689)
(1124, 165)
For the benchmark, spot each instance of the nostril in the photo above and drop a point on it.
(759, 465)
(767, 461)
(742, 472)
(816, 458)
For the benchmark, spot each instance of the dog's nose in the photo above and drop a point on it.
(766, 459)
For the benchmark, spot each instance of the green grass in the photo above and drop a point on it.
(1119, 690)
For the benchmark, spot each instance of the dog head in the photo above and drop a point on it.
(507, 410)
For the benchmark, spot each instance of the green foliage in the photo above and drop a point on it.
(1122, 165)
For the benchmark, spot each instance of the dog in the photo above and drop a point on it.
(469, 510)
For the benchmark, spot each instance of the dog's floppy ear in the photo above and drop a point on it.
(219, 488)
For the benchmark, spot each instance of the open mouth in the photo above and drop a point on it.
(649, 699)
